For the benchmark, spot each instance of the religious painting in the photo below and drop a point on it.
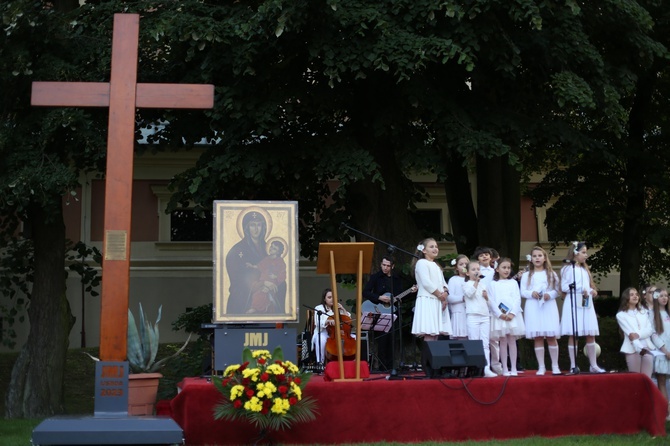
(255, 261)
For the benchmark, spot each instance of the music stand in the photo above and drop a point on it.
(346, 258)
(378, 321)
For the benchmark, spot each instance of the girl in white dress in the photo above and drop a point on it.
(576, 272)
(539, 286)
(648, 298)
(456, 300)
(477, 313)
(661, 323)
(637, 333)
(322, 313)
(507, 320)
(431, 317)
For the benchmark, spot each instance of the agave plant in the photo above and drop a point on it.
(143, 344)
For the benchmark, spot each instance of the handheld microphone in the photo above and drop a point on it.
(481, 276)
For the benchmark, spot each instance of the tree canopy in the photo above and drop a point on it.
(335, 103)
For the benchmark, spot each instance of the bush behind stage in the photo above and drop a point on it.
(609, 340)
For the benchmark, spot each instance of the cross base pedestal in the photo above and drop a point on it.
(97, 430)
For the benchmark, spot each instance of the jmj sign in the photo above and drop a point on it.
(111, 387)
(230, 342)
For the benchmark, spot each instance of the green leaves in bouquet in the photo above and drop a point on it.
(266, 390)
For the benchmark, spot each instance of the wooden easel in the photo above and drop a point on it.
(346, 258)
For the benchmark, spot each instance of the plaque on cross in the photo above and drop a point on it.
(123, 95)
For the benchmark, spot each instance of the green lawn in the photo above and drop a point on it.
(18, 433)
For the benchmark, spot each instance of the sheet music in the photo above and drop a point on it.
(377, 321)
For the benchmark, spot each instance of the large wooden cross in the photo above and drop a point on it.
(122, 94)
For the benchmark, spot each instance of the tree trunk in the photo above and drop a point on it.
(460, 204)
(512, 211)
(633, 220)
(383, 212)
(631, 254)
(499, 206)
(36, 387)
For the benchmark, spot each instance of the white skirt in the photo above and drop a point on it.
(661, 363)
(542, 320)
(515, 327)
(429, 319)
(586, 321)
(459, 320)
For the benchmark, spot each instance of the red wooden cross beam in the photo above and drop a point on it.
(122, 94)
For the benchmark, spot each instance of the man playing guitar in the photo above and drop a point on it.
(379, 290)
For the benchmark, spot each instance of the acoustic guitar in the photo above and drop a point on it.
(382, 307)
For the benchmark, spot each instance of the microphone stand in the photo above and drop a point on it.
(573, 311)
(391, 249)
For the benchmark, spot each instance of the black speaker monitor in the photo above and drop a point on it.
(453, 358)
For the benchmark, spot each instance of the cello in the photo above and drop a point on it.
(348, 342)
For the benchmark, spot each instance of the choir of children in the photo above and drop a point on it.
(482, 301)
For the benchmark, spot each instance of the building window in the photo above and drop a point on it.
(182, 224)
(429, 221)
(186, 226)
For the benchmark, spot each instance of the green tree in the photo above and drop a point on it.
(42, 152)
(330, 103)
(611, 190)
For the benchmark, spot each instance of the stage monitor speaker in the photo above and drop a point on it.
(453, 358)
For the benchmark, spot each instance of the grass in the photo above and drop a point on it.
(18, 433)
(79, 383)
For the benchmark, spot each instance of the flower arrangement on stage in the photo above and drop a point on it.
(266, 390)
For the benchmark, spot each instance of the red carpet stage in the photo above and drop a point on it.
(432, 410)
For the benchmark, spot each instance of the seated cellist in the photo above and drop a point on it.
(323, 320)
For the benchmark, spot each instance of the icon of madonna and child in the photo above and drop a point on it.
(260, 265)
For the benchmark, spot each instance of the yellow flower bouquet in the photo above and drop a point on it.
(266, 390)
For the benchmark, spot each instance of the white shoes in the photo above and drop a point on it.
(596, 369)
(541, 370)
(497, 370)
(512, 373)
(556, 370)
(488, 373)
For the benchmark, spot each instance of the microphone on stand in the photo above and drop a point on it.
(568, 261)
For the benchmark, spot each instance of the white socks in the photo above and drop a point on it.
(539, 354)
(553, 354)
(511, 345)
(591, 353)
(571, 352)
